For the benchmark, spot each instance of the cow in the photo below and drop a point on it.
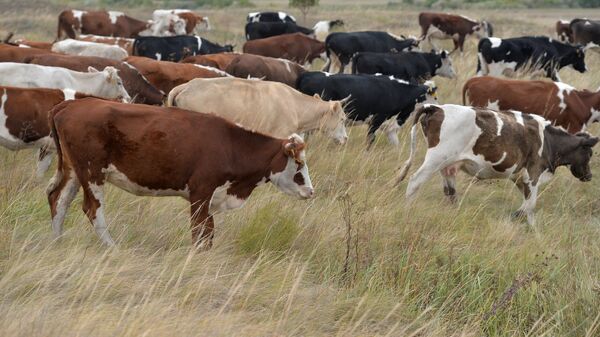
(265, 68)
(488, 144)
(122, 42)
(272, 108)
(270, 17)
(86, 48)
(414, 67)
(586, 32)
(542, 54)
(169, 17)
(24, 120)
(166, 75)
(155, 151)
(370, 98)
(322, 28)
(295, 47)
(560, 103)
(175, 48)
(219, 60)
(10, 53)
(442, 26)
(105, 23)
(104, 84)
(261, 30)
(563, 31)
(340, 46)
(141, 90)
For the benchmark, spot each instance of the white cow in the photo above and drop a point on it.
(105, 84)
(170, 22)
(269, 107)
(87, 48)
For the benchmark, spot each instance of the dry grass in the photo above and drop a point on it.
(430, 269)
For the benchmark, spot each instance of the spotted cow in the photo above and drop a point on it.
(442, 26)
(106, 23)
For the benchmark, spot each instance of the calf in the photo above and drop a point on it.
(504, 56)
(9, 53)
(261, 30)
(167, 75)
(558, 102)
(272, 108)
(175, 48)
(134, 82)
(586, 32)
(156, 151)
(105, 84)
(294, 47)
(86, 48)
(410, 66)
(492, 145)
(24, 120)
(106, 23)
(340, 47)
(563, 31)
(219, 60)
(371, 98)
(265, 68)
(443, 26)
(122, 42)
(270, 17)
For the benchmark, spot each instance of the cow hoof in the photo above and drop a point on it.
(204, 245)
(518, 215)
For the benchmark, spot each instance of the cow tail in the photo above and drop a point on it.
(54, 134)
(354, 61)
(173, 94)
(413, 144)
(464, 94)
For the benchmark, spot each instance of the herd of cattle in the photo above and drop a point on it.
(119, 101)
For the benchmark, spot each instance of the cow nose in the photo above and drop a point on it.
(343, 140)
(309, 193)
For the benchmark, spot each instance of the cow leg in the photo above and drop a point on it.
(390, 128)
(449, 176)
(93, 200)
(530, 198)
(202, 221)
(44, 161)
(374, 125)
(61, 191)
(327, 65)
(434, 162)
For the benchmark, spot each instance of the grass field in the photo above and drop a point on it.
(354, 261)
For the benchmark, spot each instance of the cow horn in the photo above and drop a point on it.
(346, 100)
(8, 37)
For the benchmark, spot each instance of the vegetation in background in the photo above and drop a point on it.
(304, 6)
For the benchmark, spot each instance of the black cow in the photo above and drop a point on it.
(270, 17)
(340, 47)
(175, 48)
(585, 32)
(261, 30)
(497, 56)
(411, 66)
(372, 98)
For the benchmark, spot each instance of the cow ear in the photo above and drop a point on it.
(317, 96)
(589, 142)
(444, 54)
(93, 70)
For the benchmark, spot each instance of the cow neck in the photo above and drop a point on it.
(312, 118)
(590, 98)
(558, 144)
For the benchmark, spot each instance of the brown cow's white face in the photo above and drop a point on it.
(335, 123)
(116, 84)
(446, 70)
(294, 179)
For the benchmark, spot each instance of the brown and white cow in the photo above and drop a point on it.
(488, 144)
(219, 61)
(295, 47)
(122, 42)
(24, 119)
(442, 26)
(558, 102)
(167, 75)
(269, 107)
(138, 87)
(156, 151)
(106, 23)
(10, 53)
(266, 68)
(166, 20)
(563, 31)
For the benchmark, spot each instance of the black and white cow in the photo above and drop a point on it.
(175, 48)
(369, 98)
(585, 32)
(270, 17)
(414, 67)
(503, 56)
(261, 30)
(340, 47)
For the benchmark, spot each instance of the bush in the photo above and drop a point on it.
(271, 229)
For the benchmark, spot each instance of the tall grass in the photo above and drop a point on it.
(355, 261)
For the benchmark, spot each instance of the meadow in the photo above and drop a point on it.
(354, 261)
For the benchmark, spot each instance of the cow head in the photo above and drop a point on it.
(336, 23)
(293, 179)
(576, 58)
(115, 88)
(446, 69)
(203, 23)
(431, 93)
(578, 156)
(481, 30)
(334, 122)
(228, 48)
